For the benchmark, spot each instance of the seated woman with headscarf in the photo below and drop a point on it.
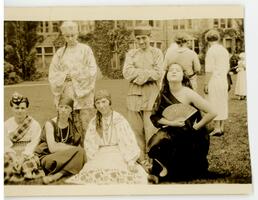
(111, 148)
(59, 148)
(21, 133)
(179, 149)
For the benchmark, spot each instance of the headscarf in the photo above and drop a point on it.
(66, 101)
(17, 99)
(100, 95)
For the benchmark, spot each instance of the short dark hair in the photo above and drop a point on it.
(212, 35)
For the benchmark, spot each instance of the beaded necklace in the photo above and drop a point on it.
(107, 137)
(63, 136)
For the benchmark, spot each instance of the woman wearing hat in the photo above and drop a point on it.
(111, 148)
(21, 133)
(59, 148)
(72, 73)
(179, 148)
(217, 68)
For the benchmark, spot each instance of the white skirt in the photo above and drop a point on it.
(218, 96)
(108, 167)
(241, 83)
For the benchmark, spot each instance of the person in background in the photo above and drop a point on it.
(72, 73)
(111, 148)
(240, 89)
(21, 135)
(180, 147)
(143, 68)
(59, 149)
(216, 83)
(185, 57)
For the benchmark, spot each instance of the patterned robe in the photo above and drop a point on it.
(79, 63)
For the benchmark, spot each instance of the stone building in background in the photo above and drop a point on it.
(163, 33)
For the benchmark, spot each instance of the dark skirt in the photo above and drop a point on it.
(182, 151)
(69, 161)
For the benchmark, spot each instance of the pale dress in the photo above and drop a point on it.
(108, 156)
(241, 81)
(217, 62)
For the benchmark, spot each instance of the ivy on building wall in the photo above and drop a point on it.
(106, 41)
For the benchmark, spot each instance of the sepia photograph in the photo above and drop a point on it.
(152, 102)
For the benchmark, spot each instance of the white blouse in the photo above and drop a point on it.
(116, 131)
(32, 136)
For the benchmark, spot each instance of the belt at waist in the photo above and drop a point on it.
(192, 75)
(108, 145)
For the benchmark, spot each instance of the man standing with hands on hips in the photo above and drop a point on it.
(143, 68)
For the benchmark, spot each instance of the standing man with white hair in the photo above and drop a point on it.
(72, 73)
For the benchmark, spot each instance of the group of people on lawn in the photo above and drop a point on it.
(164, 139)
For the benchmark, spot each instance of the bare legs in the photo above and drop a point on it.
(218, 128)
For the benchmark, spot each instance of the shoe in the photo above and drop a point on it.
(217, 133)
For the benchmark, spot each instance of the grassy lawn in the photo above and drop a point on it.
(228, 154)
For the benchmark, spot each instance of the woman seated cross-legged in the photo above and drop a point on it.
(59, 148)
(111, 148)
(179, 149)
(21, 136)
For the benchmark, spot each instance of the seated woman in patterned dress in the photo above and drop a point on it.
(179, 149)
(21, 133)
(111, 148)
(59, 148)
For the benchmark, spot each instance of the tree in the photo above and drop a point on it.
(22, 36)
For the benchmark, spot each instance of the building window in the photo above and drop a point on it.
(141, 22)
(129, 24)
(155, 23)
(156, 44)
(55, 27)
(41, 27)
(151, 23)
(46, 27)
(189, 22)
(229, 23)
(216, 23)
(182, 24)
(39, 50)
(175, 25)
(222, 23)
(48, 50)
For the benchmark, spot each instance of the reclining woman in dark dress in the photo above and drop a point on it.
(179, 149)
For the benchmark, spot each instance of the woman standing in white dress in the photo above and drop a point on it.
(240, 89)
(111, 149)
(217, 67)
